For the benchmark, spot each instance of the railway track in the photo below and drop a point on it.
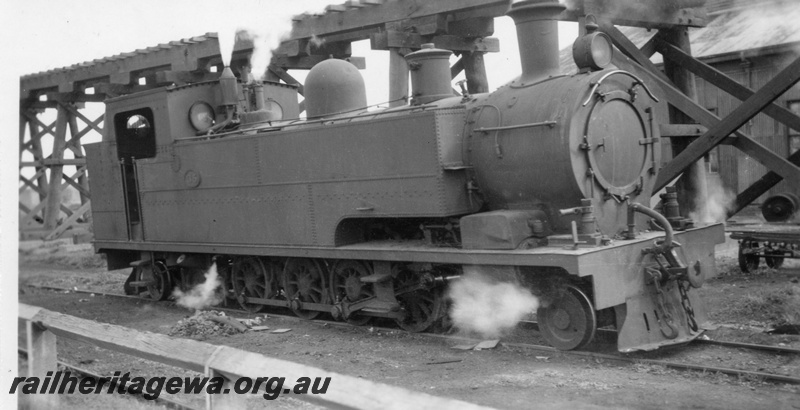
(758, 375)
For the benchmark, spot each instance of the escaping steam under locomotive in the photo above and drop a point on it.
(545, 183)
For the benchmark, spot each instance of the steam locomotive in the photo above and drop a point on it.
(361, 213)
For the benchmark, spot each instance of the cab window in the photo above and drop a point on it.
(136, 136)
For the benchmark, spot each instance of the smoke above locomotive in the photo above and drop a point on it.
(543, 184)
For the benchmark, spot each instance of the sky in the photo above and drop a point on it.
(38, 35)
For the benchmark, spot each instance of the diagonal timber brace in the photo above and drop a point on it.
(722, 81)
(718, 130)
(760, 187)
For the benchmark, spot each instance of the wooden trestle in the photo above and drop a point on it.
(398, 26)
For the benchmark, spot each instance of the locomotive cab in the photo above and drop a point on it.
(144, 129)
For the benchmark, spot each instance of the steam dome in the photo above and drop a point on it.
(334, 86)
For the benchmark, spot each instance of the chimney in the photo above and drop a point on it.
(227, 84)
(537, 34)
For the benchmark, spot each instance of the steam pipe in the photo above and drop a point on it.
(259, 96)
(537, 34)
(662, 220)
(216, 127)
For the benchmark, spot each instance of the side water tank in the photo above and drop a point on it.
(333, 87)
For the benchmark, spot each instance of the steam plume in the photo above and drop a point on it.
(488, 307)
(264, 24)
(203, 294)
(571, 4)
(715, 207)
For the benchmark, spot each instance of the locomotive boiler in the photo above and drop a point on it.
(362, 213)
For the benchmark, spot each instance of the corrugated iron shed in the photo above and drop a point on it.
(746, 26)
(735, 26)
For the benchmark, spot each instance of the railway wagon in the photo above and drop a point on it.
(360, 213)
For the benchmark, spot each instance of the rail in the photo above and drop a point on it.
(43, 326)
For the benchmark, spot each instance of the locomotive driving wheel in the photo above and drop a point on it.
(748, 262)
(160, 286)
(346, 285)
(569, 322)
(423, 306)
(252, 279)
(304, 282)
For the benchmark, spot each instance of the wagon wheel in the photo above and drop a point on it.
(772, 262)
(304, 281)
(251, 279)
(135, 275)
(423, 307)
(748, 262)
(569, 322)
(346, 285)
(160, 286)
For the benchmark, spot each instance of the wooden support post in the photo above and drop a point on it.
(75, 146)
(398, 78)
(23, 125)
(38, 155)
(42, 358)
(53, 208)
(40, 175)
(475, 71)
(692, 187)
(231, 401)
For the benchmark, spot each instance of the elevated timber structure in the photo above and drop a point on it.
(399, 27)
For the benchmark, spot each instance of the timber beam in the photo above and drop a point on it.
(359, 22)
(184, 77)
(307, 62)
(681, 130)
(398, 39)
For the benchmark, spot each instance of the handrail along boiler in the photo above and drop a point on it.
(362, 213)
